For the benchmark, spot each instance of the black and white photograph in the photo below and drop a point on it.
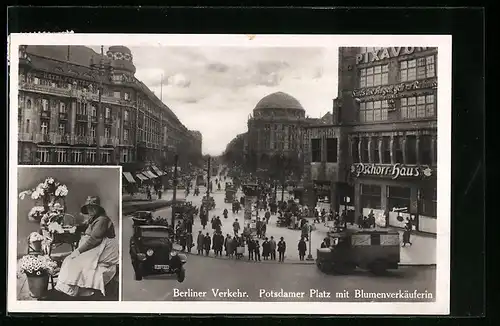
(67, 233)
(292, 170)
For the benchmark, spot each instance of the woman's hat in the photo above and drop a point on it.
(91, 201)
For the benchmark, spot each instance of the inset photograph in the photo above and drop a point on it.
(67, 233)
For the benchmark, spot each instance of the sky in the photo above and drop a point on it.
(215, 89)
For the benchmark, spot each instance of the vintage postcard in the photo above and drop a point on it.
(230, 174)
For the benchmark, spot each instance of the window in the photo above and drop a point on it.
(386, 150)
(374, 76)
(28, 126)
(398, 197)
(81, 129)
(62, 129)
(93, 111)
(91, 154)
(62, 155)
(331, 150)
(28, 104)
(107, 113)
(76, 156)
(355, 150)
(420, 68)
(425, 149)
(373, 111)
(428, 202)
(62, 107)
(125, 115)
(43, 155)
(107, 132)
(45, 105)
(105, 157)
(116, 94)
(36, 81)
(44, 128)
(81, 108)
(398, 150)
(126, 95)
(417, 107)
(316, 150)
(92, 131)
(125, 156)
(411, 150)
(364, 150)
(125, 134)
(371, 196)
(376, 152)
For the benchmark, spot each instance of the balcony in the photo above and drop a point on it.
(125, 142)
(25, 136)
(57, 138)
(63, 116)
(126, 123)
(82, 117)
(45, 114)
(108, 141)
(93, 118)
(42, 138)
(108, 120)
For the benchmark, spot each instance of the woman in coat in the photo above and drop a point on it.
(93, 264)
(207, 242)
(199, 243)
(266, 249)
(302, 247)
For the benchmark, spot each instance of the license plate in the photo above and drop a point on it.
(162, 267)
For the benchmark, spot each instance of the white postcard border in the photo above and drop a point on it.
(439, 307)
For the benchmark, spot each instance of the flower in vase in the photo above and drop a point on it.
(55, 227)
(36, 213)
(49, 180)
(35, 236)
(25, 193)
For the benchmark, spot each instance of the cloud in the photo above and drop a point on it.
(215, 89)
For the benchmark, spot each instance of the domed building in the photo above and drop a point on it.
(274, 129)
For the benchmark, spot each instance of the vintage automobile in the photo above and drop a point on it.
(376, 251)
(230, 195)
(151, 253)
(142, 217)
(208, 203)
(181, 206)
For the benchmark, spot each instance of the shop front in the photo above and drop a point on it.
(396, 193)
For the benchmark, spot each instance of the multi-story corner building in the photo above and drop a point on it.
(80, 107)
(385, 124)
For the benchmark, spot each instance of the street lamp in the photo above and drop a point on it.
(174, 184)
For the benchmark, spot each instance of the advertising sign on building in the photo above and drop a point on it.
(386, 53)
(394, 171)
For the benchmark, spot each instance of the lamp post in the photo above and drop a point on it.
(174, 184)
(309, 256)
(99, 110)
(208, 177)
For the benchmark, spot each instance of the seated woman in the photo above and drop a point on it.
(93, 264)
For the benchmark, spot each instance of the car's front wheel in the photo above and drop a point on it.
(181, 275)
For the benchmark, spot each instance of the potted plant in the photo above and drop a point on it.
(37, 269)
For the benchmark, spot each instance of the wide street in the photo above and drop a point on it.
(259, 279)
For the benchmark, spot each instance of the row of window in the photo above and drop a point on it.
(416, 107)
(409, 70)
(64, 155)
(421, 150)
(399, 197)
(329, 154)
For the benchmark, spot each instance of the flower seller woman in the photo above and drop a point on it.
(93, 264)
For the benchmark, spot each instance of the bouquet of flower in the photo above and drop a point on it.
(35, 236)
(49, 187)
(36, 213)
(55, 227)
(35, 265)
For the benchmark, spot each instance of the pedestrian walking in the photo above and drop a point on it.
(226, 244)
(199, 243)
(272, 248)
(160, 191)
(302, 247)
(251, 248)
(218, 243)
(225, 212)
(189, 242)
(267, 216)
(305, 230)
(236, 227)
(266, 249)
(207, 243)
(407, 234)
(257, 250)
(263, 230)
(183, 240)
(281, 249)
(258, 226)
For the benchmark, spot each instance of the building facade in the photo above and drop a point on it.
(385, 119)
(80, 107)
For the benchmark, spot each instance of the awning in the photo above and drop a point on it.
(129, 177)
(157, 171)
(149, 174)
(141, 176)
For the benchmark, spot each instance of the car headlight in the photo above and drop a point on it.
(150, 252)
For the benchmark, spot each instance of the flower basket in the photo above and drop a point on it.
(38, 284)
